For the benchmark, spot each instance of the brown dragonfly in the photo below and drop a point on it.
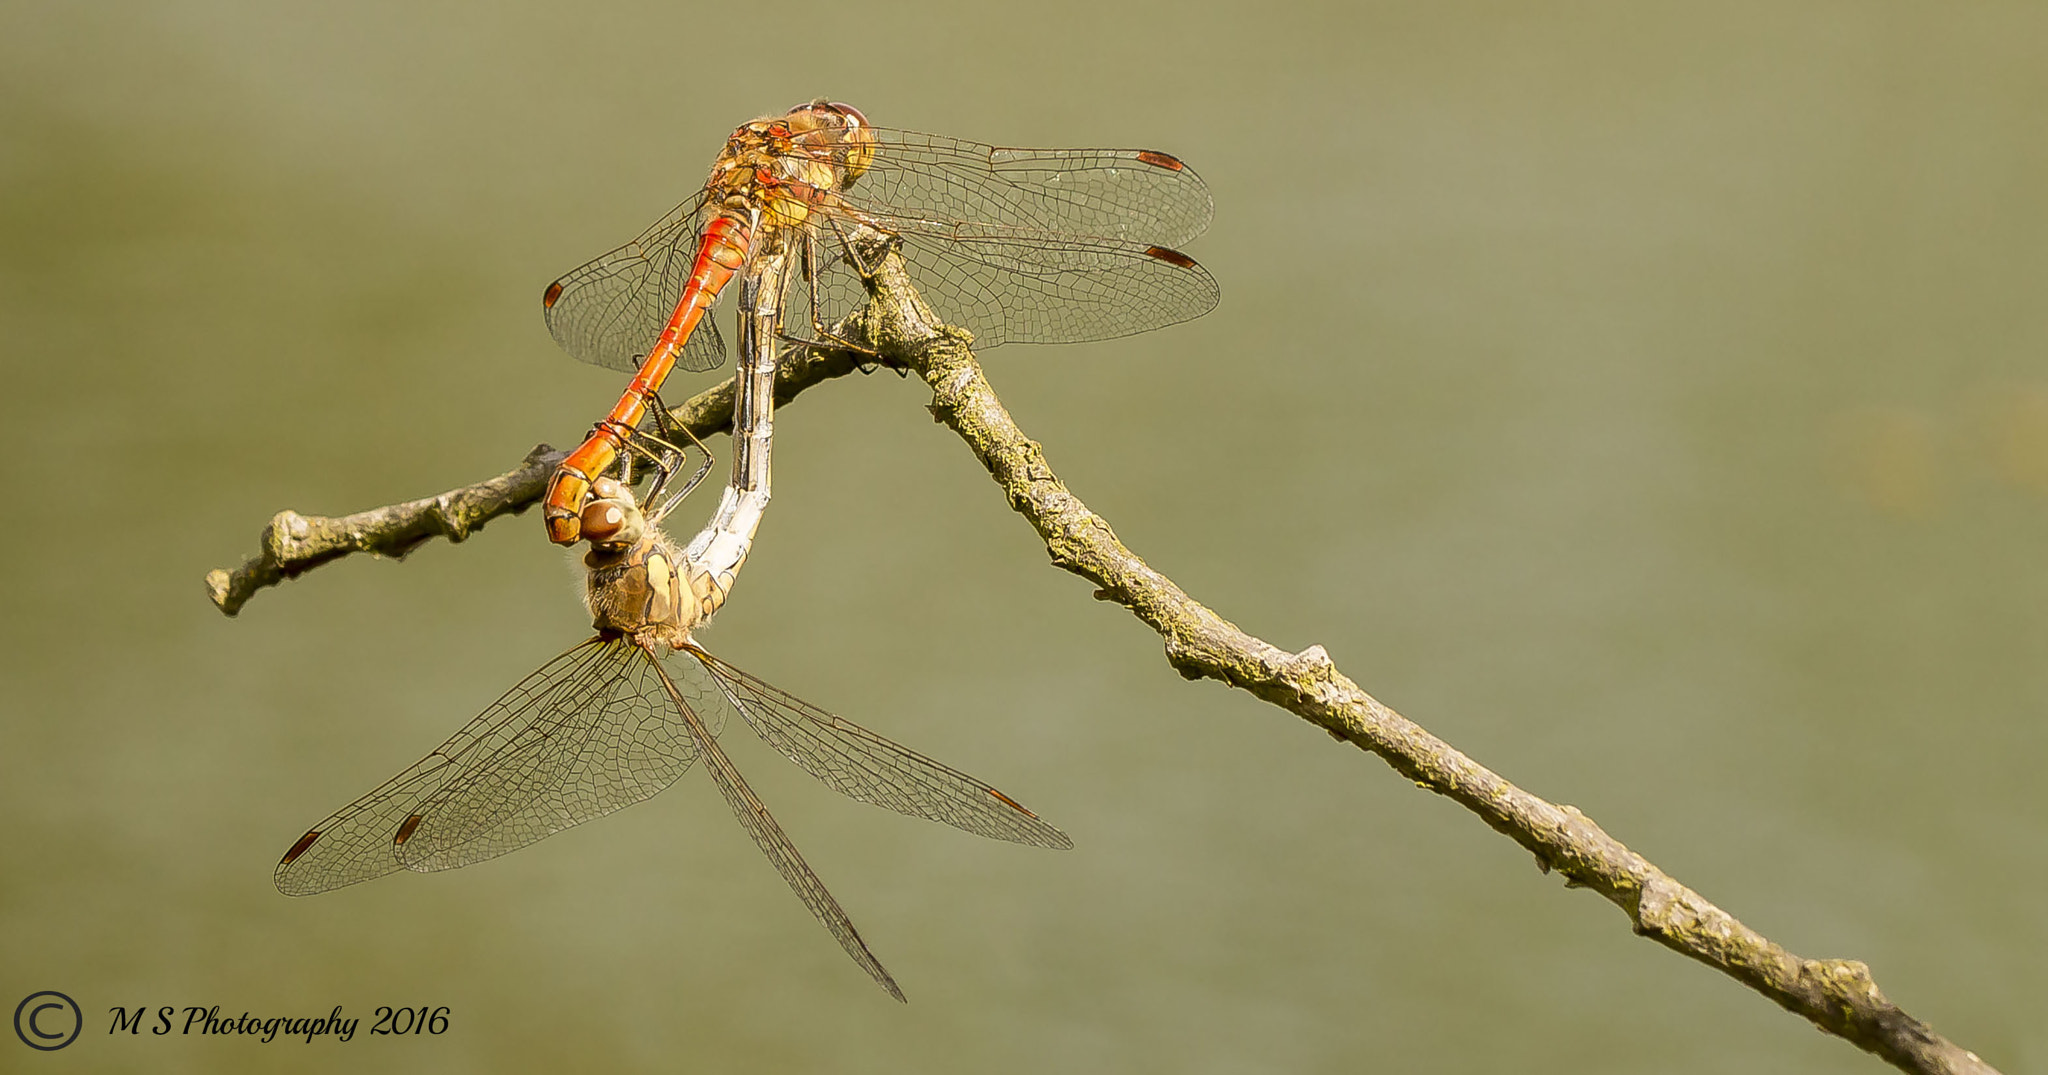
(623, 715)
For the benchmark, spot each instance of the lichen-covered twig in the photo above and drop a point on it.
(294, 544)
(1837, 995)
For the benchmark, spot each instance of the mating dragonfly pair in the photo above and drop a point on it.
(1026, 245)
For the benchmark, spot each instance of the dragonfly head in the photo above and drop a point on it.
(638, 583)
(850, 114)
(611, 518)
(841, 129)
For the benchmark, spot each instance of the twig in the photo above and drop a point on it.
(1837, 995)
(294, 544)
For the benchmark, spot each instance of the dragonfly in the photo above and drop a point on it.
(623, 715)
(1023, 245)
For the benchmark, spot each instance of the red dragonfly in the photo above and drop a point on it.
(618, 718)
(1028, 245)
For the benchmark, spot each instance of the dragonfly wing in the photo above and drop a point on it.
(581, 755)
(356, 843)
(862, 765)
(1136, 196)
(610, 311)
(705, 349)
(1013, 285)
(754, 817)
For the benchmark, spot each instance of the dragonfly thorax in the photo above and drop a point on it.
(783, 164)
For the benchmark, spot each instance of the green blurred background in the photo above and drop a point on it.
(1649, 399)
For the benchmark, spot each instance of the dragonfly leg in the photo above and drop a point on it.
(662, 450)
(825, 339)
(834, 342)
(866, 247)
(665, 421)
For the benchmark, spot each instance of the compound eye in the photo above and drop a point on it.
(845, 111)
(606, 489)
(849, 112)
(602, 522)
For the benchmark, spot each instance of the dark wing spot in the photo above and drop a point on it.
(299, 848)
(548, 297)
(1013, 804)
(1161, 160)
(405, 831)
(1171, 257)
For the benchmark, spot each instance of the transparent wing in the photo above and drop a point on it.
(614, 747)
(609, 312)
(773, 842)
(1012, 286)
(1138, 196)
(858, 763)
(355, 844)
(1022, 245)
